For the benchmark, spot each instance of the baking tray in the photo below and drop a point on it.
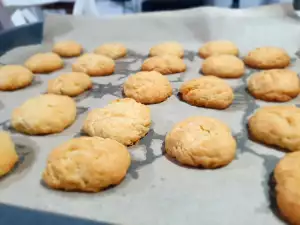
(9, 39)
(157, 190)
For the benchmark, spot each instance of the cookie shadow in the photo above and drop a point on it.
(190, 55)
(26, 150)
(150, 155)
(272, 197)
(80, 134)
(6, 126)
(83, 96)
(36, 82)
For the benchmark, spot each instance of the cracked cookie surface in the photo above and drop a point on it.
(94, 65)
(123, 120)
(44, 114)
(71, 84)
(219, 47)
(13, 77)
(148, 87)
(278, 85)
(165, 64)
(112, 50)
(201, 142)
(44, 63)
(207, 91)
(88, 164)
(223, 66)
(287, 176)
(277, 125)
(67, 48)
(172, 48)
(267, 58)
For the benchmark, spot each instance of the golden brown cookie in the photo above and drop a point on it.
(44, 62)
(67, 48)
(166, 64)
(71, 84)
(94, 65)
(218, 48)
(8, 154)
(123, 120)
(44, 114)
(277, 125)
(278, 85)
(167, 48)
(224, 66)
(287, 176)
(13, 77)
(207, 91)
(267, 58)
(112, 50)
(201, 142)
(148, 87)
(88, 164)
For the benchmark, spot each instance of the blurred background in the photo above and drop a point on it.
(20, 12)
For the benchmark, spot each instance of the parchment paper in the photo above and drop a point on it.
(157, 190)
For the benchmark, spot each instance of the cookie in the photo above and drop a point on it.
(224, 66)
(44, 114)
(207, 91)
(13, 77)
(87, 164)
(94, 65)
(44, 63)
(112, 50)
(278, 85)
(267, 58)
(287, 177)
(167, 48)
(8, 154)
(218, 48)
(71, 84)
(123, 120)
(277, 125)
(148, 87)
(201, 142)
(166, 64)
(67, 48)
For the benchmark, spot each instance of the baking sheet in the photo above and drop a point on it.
(156, 190)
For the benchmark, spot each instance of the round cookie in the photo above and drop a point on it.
(94, 65)
(148, 87)
(112, 50)
(44, 63)
(87, 164)
(277, 125)
(8, 154)
(207, 91)
(44, 114)
(13, 77)
(166, 64)
(71, 84)
(267, 58)
(287, 177)
(201, 142)
(167, 48)
(123, 120)
(218, 48)
(67, 48)
(224, 66)
(279, 85)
